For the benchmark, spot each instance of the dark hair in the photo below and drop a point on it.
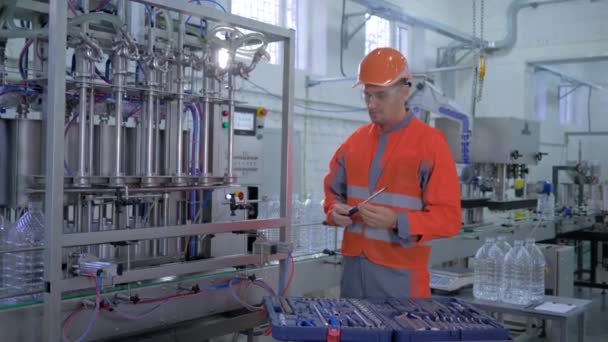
(405, 81)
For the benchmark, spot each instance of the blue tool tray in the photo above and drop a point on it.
(438, 319)
(299, 319)
(398, 320)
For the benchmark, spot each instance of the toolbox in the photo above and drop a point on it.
(399, 320)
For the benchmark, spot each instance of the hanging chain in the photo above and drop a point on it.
(476, 70)
(482, 58)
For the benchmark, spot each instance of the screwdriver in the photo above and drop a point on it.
(355, 209)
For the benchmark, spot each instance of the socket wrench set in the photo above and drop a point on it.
(398, 320)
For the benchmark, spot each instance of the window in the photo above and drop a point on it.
(267, 11)
(573, 105)
(286, 13)
(404, 40)
(377, 33)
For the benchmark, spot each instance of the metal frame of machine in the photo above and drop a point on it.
(113, 182)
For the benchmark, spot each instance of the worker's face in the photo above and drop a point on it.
(385, 104)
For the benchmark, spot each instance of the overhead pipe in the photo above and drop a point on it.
(511, 35)
(387, 10)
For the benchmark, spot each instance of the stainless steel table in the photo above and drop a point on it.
(578, 312)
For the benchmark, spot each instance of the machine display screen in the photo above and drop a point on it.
(244, 122)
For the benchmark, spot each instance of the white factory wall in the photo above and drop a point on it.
(322, 132)
(555, 31)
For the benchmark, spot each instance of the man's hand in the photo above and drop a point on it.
(378, 217)
(339, 214)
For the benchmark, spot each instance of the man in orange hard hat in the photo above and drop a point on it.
(384, 249)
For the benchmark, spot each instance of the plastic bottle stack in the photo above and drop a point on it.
(24, 271)
(537, 278)
(516, 276)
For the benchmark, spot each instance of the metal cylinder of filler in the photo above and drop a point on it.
(25, 156)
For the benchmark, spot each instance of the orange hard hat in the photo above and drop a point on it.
(383, 67)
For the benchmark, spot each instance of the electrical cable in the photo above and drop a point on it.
(22, 58)
(290, 275)
(239, 300)
(201, 20)
(141, 315)
(102, 5)
(70, 319)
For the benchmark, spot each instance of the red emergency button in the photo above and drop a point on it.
(240, 195)
(261, 112)
(225, 113)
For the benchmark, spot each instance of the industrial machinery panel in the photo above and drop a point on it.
(559, 270)
(505, 141)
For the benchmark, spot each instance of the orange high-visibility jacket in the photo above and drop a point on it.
(414, 162)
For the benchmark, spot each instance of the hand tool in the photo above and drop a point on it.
(355, 209)
(365, 321)
(285, 306)
(323, 320)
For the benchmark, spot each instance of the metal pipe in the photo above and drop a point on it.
(511, 35)
(565, 76)
(180, 95)
(54, 147)
(82, 131)
(134, 190)
(149, 125)
(207, 83)
(157, 136)
(119, 66)
(567, 135)
(231, 86)
(91, 117)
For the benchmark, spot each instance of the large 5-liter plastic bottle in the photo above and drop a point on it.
(537, 278)
(517, 268)
(480, 271)
(24, 270)
(501, 241)
(494, 264)
(505, 247)
(3, 235)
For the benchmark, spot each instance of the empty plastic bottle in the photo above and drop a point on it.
(494, 272)
(3, 235)
(537, 278)
(480, 271)
(516, 275)
(23, 271)
(501, 242)
(545, 206)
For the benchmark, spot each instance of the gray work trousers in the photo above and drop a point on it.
(364, 279)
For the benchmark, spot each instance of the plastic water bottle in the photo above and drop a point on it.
(480, 271)
(494, 268)
(3, 235)
(537, 279)
(23, 271)
(516, 276)
(545, 205)
(505, 247)
(501, 241)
